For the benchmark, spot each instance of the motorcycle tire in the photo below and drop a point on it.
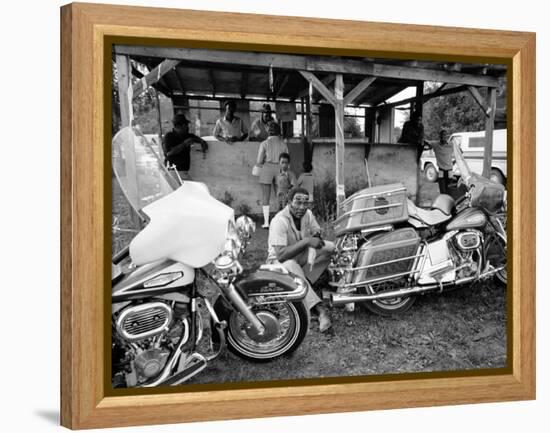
(386, 308)
(496, 254)
(287, 340)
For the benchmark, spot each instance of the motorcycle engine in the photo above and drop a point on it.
(146, 320)
(149, 363)
(346, 250)
(144, 336)
(464, 247)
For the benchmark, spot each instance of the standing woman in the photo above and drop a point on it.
(268, 159)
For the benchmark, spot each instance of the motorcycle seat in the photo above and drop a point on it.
(428, 217)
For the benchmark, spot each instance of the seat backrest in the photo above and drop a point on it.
(445, 203)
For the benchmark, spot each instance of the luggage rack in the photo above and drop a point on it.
(415, 269)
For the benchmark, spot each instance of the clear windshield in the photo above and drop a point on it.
(461, 163)
(139, 169)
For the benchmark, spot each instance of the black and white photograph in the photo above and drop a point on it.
(281, 216)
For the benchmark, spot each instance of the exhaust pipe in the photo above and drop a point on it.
(345, 298)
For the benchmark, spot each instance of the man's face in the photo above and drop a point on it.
(182, 128)
(443, 137)
(298, 205)
(266, 116)
(229, 110)
(283, 164)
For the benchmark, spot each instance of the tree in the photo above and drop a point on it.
(351, 127)
(455, 113)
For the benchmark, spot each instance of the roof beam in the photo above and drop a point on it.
(154, 76)
(326, 81)
(309, 63)
(427, 96)
(480, 100)
(321, 88)
(357, 90)
(158, 86)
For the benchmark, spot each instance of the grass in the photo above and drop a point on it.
(460, 330)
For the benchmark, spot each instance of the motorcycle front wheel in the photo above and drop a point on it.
(286, 325)
(386, 307)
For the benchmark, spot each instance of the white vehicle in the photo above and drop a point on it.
(472, 145)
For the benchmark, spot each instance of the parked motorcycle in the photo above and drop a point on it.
(159, 308)
(388, 250)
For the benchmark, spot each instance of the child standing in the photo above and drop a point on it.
(286, 179)
(305, 180)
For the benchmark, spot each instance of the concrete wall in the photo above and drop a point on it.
(227, 169)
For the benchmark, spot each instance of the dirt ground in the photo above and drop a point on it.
(460, 330)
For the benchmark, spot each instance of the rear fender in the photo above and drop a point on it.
(272, 281)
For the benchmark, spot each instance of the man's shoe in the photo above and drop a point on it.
(324, 322)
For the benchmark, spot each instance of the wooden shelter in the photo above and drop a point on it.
(184, 74)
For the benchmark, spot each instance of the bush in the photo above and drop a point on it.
(243, 209)
(324, 197)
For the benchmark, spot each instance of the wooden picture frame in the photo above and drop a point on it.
(87, 32)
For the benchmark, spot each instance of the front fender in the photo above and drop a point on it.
(272, 281)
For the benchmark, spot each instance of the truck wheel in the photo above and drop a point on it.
(430, 172)
(497, 176)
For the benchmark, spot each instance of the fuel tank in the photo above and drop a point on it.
(468, 219)
(153, 279)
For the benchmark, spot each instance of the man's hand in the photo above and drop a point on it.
(315, 242)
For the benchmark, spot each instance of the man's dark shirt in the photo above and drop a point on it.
(182, 159)
(412, 133)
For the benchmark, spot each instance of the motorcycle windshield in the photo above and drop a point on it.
(461, 164)
(188, 226)
(139, 169)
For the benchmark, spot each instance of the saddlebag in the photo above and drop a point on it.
(370, 207)
(386, 255)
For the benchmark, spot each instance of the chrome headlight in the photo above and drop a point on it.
(232, 235)
(231, 248)
(245, 227)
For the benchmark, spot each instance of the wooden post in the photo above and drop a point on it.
(489, 127)
(419, 105)
(419, 99)
(302, 116)
(309, 123)
(339, 126)
(123, 75)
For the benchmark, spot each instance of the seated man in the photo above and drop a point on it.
(293, 233)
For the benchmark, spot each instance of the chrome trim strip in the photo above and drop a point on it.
(360, 268)
(374, 195)
(353, 211)
(341, 298)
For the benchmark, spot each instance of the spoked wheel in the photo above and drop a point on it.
(496, 256)
(387, 307)
(286, 325)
